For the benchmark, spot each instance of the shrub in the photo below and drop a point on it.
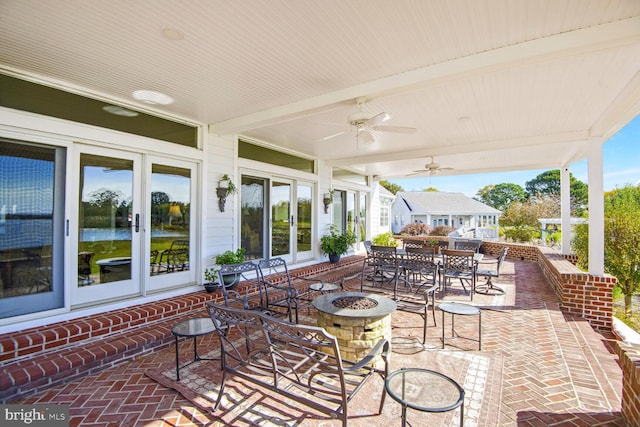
(384, 239)
(416, 229)
(441, 230)
(519, 234)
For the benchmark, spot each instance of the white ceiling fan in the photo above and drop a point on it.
(432, 168)
(364, 122)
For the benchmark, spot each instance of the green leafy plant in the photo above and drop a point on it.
(230, 257)
(336, 243)
(210, 275)
(232, 187)
(384, 239)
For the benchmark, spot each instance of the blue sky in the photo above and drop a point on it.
(621, 158)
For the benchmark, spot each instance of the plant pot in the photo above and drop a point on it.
(334, 259)
(230, 282)
(211, 287)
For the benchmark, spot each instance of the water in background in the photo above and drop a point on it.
(31, 233)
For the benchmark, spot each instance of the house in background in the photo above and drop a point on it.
(471, 217)
(386, 199)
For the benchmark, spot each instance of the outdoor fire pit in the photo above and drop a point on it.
(358, 320)
(355, 302)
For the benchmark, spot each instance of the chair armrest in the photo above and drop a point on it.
(291, 292)
(353, 276)
(236, 296)
(431, 289)
(308, 279)
(381, 348)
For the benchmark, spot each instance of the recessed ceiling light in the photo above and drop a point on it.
(172, 34)
(119, 111)
(152, 97)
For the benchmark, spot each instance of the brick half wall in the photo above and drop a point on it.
(629, 355)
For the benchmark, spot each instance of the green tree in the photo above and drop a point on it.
(501, 196)
(548, 184)
(621, 241)
(431, 189)
(520, 219)
(393, 188)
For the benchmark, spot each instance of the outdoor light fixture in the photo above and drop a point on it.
(327, 201)
(225, 187)
(222, 197)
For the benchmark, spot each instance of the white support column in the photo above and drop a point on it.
(565, 209)
(596, 207)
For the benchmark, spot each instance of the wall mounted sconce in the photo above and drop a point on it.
(222, 197)
(327, 201)
(225, 188)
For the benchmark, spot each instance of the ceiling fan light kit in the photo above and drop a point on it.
(365, 122)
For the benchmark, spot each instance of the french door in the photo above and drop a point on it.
(108, 230)
(170, 225)
(134, 231)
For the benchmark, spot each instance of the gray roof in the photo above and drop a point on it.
(386, 193)
(438, 202)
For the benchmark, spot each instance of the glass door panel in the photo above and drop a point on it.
(253, 216)
(351, 211)
(281, 219)
(362, 218)
(304, 221)
(170, 237)
(108, 225)
(32, 197)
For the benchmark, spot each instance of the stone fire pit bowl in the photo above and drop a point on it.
(325, 304)
(357, 330)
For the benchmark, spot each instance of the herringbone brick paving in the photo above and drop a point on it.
(557, 370)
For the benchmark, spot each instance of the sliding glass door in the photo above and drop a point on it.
(32, 198)
(287, 224)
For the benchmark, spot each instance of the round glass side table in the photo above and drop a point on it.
(424, 390)
(191, 328)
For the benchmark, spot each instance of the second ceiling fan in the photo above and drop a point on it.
(364, 122)
(431, 168)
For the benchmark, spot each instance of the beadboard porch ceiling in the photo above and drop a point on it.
(489, 85)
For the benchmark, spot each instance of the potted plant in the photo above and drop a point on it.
(435, 244)
(229, 257)
(336, 243)
(225, 182)
(211, 279)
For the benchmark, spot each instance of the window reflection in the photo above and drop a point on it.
(170, 219)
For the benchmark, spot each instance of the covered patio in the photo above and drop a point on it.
(539, 365)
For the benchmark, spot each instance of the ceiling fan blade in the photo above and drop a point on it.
(333, 136)
(377, 119)
(366, 137)
(396, 129)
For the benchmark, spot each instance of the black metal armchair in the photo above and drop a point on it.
(459, 265)
(249, 296)
(280, 287)
(488, 288)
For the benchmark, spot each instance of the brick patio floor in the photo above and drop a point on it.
(556, 370)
